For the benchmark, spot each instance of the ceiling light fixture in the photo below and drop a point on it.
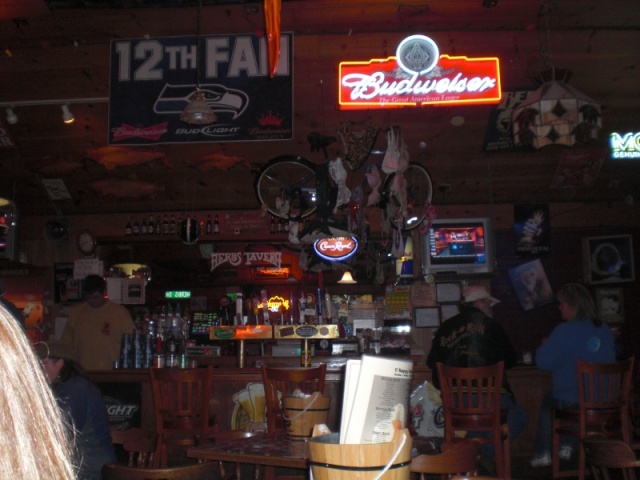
(12, 117)
(198, 111)
(67, 116)
(347, 278)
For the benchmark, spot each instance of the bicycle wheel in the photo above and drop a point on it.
(291, 179)
(407, 213)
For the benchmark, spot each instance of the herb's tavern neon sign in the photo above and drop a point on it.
(418, 75)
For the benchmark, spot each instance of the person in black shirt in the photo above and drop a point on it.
(474, 339)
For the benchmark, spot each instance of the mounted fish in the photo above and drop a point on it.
(58, 165)
(217, 161)
(125, 187)
(112, 157)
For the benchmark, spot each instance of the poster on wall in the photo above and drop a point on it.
(532, 229)
(152, 80)
(531, 285)
(67, 289)
(498, 137)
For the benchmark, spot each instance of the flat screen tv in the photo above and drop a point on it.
(459, 245)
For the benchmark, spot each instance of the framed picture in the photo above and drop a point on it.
(608, 259)
(66, 288)
(531, 285)
(610, 304)
(448, 292)
(448, 310)
(426, 317)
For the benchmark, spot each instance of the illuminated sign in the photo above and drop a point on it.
(335, 249)
(625, 145)
(274, 304)
(177, 294)
(418, 75)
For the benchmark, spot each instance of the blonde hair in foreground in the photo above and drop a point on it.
(34, 441)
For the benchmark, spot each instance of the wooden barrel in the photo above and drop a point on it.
(330, 460)
(301, 414)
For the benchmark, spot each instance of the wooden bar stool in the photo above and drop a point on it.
(139, 444)
(181, 399)
(471, 403)
(603, 391)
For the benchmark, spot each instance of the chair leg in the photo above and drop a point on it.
(555, 449)
(507, 457)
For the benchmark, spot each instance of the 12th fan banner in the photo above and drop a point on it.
(153, 79)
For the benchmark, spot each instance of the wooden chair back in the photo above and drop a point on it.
(181, 403)
(471, 403)
(604, 391)
(459, 458)
(604, 456)
(139, 444)
(200, 471)
(279, 382)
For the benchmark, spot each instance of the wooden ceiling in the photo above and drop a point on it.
(61, 51)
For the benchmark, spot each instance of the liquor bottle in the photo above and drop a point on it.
(143, 227)
(209, 227)
(165, 225)
(136, 228)
(280, 227)
(157, 229)
(216, 225)
(272, 225)
(172, 225)
(151, 226)
(128, 229)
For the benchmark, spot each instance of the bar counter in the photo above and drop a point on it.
(528, 383)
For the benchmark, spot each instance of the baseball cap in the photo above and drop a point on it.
(471, 294)
(53, 348)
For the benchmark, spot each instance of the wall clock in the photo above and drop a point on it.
(86, 242)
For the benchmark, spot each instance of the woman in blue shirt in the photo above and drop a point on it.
(582, 336)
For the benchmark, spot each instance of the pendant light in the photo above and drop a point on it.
(198, 111)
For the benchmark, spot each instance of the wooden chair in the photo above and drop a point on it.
(139, 444)
(471, 403)
(199, 471)
(459, 458)
(181, 399)
(603, 391)
(605, 455)
(284, 381)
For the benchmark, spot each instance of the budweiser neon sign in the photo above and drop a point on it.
(418, 75)
(335, 249)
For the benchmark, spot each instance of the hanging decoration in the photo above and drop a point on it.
(272, 26)
(556, 113)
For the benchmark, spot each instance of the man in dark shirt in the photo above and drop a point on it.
(474, 339)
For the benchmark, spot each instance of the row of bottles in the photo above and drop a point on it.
(167, 225)
(159, 339)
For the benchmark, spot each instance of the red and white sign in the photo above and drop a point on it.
(335, 249)
(418, 75)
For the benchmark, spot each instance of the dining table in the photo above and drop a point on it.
(276, 450)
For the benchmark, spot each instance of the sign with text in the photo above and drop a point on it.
(246, 258)
(418, 75)
(152, 80)
(625, 145)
